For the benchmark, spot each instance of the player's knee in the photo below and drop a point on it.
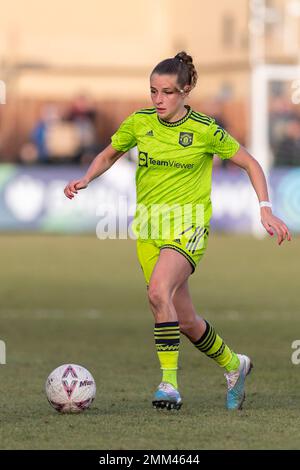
(158, 296)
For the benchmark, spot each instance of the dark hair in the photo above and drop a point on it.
(180, 65)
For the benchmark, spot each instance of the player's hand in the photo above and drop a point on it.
(274, 224)
(74, 186)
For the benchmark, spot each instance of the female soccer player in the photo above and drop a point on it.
(176, 146)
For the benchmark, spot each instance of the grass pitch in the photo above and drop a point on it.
(81, 300)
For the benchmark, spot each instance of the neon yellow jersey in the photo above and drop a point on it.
(175, 158)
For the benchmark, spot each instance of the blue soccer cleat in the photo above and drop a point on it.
(166, 396)
(236, 383)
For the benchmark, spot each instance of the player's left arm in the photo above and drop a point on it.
(271, 223)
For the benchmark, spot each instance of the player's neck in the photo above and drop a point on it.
(180, 114)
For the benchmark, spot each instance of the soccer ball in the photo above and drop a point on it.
(70, 388)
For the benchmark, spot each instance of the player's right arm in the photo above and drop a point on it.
(102, 162)
(121, 141)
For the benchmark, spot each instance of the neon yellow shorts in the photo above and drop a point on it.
(191, 245)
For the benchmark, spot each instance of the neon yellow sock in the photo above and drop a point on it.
(168, 362)
(167, 338)
(214, 347)
(234, 363)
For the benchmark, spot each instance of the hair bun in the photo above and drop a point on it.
(180, 65)
(184, 57)
(187, 59)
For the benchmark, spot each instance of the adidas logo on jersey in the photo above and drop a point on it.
(150, 133)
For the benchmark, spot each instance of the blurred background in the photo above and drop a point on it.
(69, 76)
(70, 72)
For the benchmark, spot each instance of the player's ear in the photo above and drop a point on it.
(186, 90)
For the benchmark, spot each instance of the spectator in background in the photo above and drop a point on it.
(28, 154)
(281, 112)
(53, 140)
(63, 139)
(287, 149)
(84, 117)
(49, 116)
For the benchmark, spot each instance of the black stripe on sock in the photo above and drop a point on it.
(167, 341)
(162, 325)
(200, 340)
(167, 336)
(209, 344)
(217, 353)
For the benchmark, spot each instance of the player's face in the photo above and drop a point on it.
(166, 96)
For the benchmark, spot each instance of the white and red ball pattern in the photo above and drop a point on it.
(70, 388)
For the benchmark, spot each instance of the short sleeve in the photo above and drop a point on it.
(124, 138)
(221, 143)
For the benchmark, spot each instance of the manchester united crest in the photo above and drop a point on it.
(186, 138)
